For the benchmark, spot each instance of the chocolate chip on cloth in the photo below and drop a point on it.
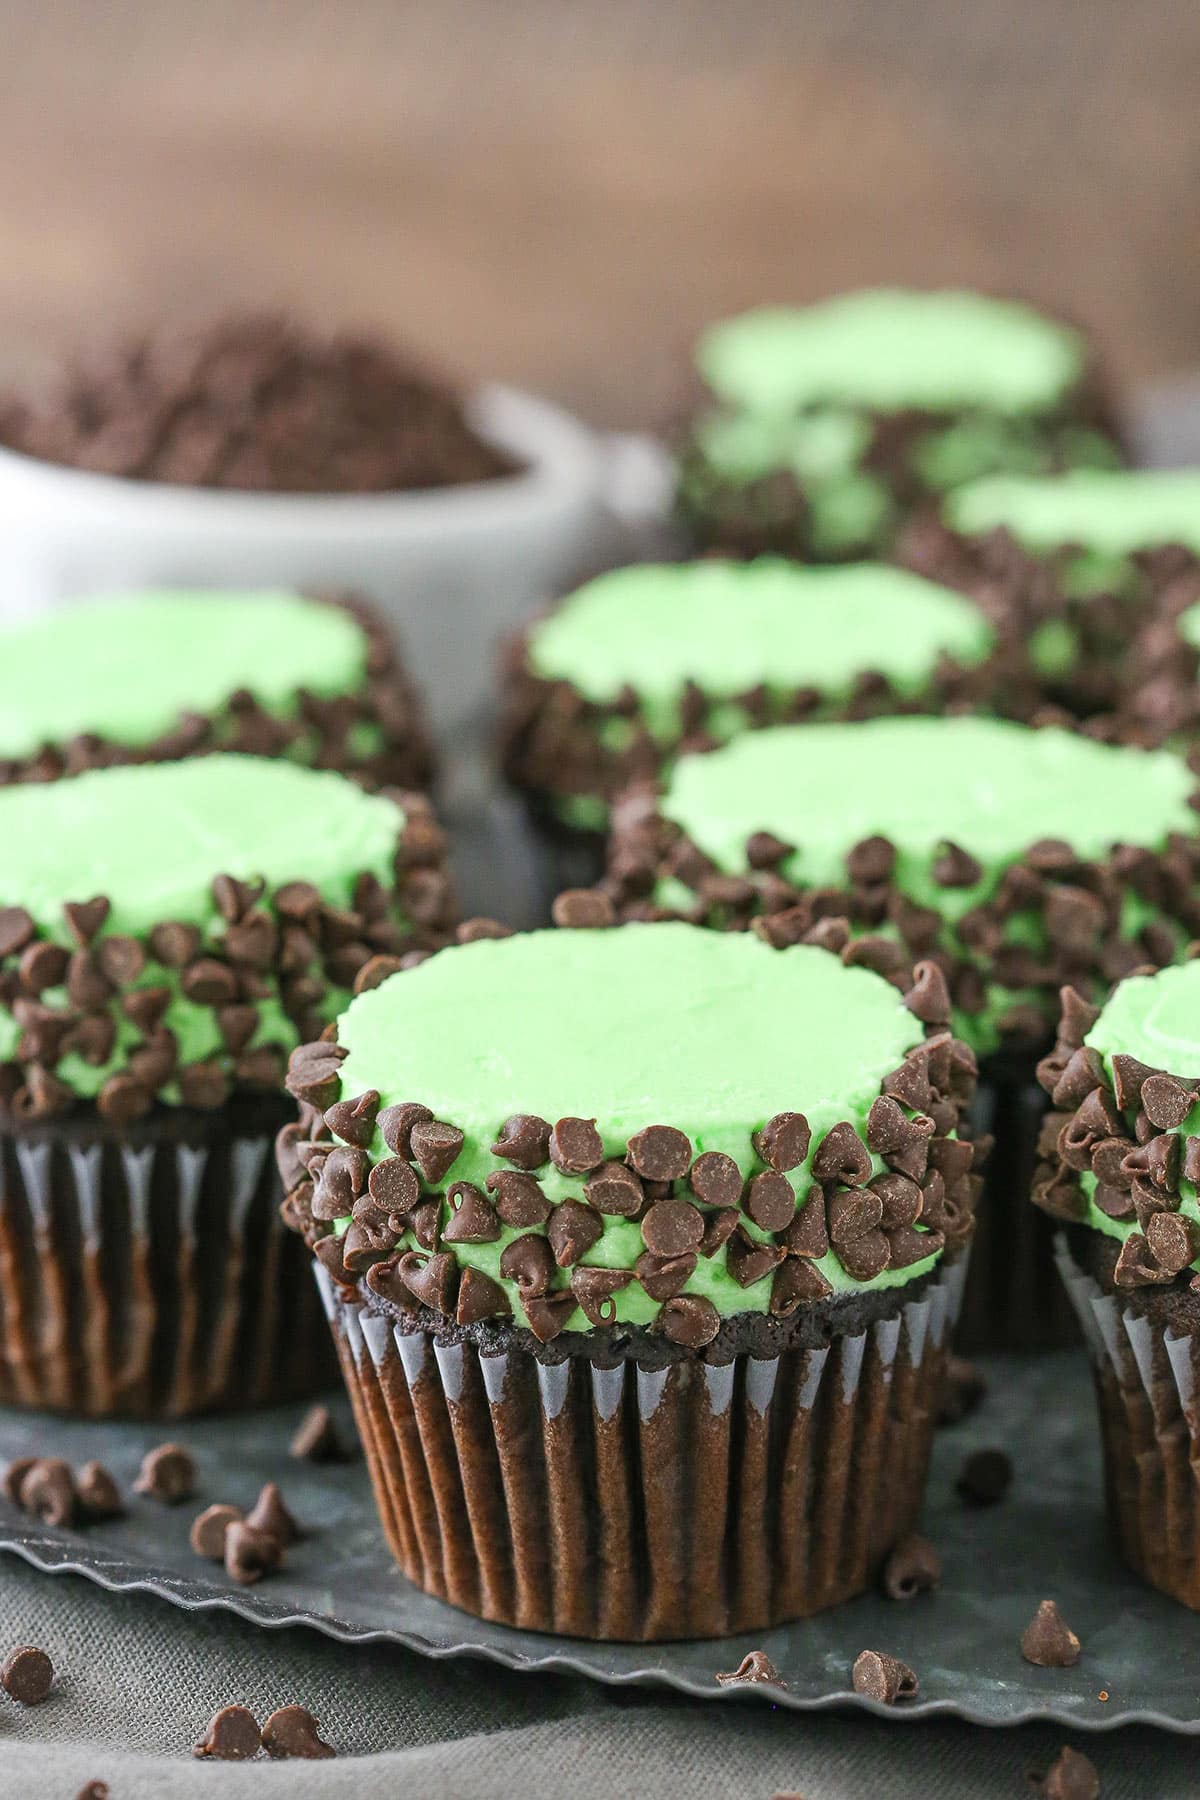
(1048, 1640)
(167, 1474)
(985, 1477)
(233, 1735)
(27, 1675)
(292, 1731)
(1071, 1776)
(884, 1678)
(755, 1666)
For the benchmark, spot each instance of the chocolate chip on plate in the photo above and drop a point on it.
(914, 1567)
(963, 1389)
(167, 1474)
(292, 1731)
(207, 1536)
(250, 1554)
(883, 1678)
(269, 1514)
(27, 1675)
(98, 1493)
(1048, 1640)
(755, 1666)
(316, 1438)
(48, 1491)
(985, 1477)
(232, 1736)
(93, 1790)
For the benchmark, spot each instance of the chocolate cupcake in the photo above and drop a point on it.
(1120, 1181)
(648, 661)
(641, 1294)
(1078, 567)
(153, 677)
(1013, 859)
(167, 935)
(822, 428)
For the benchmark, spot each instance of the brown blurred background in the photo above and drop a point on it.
(559, 193)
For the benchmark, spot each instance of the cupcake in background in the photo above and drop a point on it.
(1089, 570)
(640, 1248)
(822, 428)
(153, 677)
(1014, 859)
(1120, 1181)
(168, 933)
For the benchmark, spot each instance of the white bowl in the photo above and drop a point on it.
(450, 568)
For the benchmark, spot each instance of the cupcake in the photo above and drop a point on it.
(168, 933)
(152, 677)
(644, 662)
(641, 1293)
(822, 428)
(1120, 1182)
(1015, 859)
(1076, 566)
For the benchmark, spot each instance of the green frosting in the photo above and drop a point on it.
(1112, 512)
(1189, 627)
(888, 349)
(730, 627)
(126, 667)
(649, 1024)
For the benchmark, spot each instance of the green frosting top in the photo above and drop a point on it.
(987, 785)
(732, 626)
(661, 1024)
(1188, 626)
(152, 837)
(890, 348)
(1108, 510)
(1155, 1018)
(126, 667)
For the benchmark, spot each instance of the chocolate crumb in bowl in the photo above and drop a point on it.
(755, 1666)
(232, 1736)
(98, 1493)
(207, 1536)
(1048, 1640)
(914, 1567)
(250, 1553)
(27, 1675)
(1071, 1776)
(883, 1678)
(168, 1474)
(292, 1731)
(255, 402)
(985, 1477)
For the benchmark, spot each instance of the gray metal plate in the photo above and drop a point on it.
(1047, 1539)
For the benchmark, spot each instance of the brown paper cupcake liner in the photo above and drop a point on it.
(145, 1271)
(619, 1502)
(1148, 1397)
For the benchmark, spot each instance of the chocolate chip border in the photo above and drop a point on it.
(687, 1206)
(1078, 901)
(1123, 1128)
(285, 940)
(385, 698)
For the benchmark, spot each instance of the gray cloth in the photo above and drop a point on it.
(138, 1680)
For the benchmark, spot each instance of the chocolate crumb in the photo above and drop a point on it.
(232, 1736)
(292, 1731)
(249, 1553)
(167, 1474)
(914, 1567)
(883, 1678)
(985, 1477)
(1071, 1776)
(963, 1389)
(207, 1536)
(755, 1666)
(316, 1437)
(1048, 1640)
(27, 1675)
(271, 1515)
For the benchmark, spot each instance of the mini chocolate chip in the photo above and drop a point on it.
(121, 959)
(94, 1790)
(479, 1297)
(316, 1437)
(871, 860)
(472, 1219)
(424, 1221)
(852, 1212)
(207, 1536)
(312, 1073)
(594, 1289)
(716, 1179)
(395, 1125)
(660, 1153)
(614, 1188)
(1128, 1077)
(770, 1201)
(766, 851)
(168, 1473)
(1078, 1016)
(665, 1277)
(529, 1261)
(393, 1186)
(297, 900)
(575, 1146)
(689, 1320)
(842, 1156)
(375, 971)
(525, 1140)
(807, 1233)
(672, 1228)
(232, 1736)
(783, 1143)
(518, 1198)
(883, 1678)
(232, 898)
(719, 1227)
(913, 1567)
(270, 1514)
(435, 1147)
(85, 918)
(27, 1675)
(292, 1731)
(755, 1666)
(97, 1492)
(1048, 1640)
(583, 909)
(572, 1230)
(928, 999)
(253, 941)
(354, 1120)
(123, 1098)
(250, 1553)
(43, 965)
(16, 929)
(174, 943)
(342, 1179)
(748, 1260)
(1167, 1101)
(1071, 1776)
(962, 1391)
(798, 1282)
(433, 1279)
(14, 1477)
(48, 1491)
(548, 1313)
(208, 982)
(985, 1477)
(1135, 1266)
(1172, 1241)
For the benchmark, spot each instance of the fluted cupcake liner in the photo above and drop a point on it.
(621, 1502)
(145, 1271)
(1148, 1397)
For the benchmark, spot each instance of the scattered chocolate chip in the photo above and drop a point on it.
(525, 1140)
(1071, 1776)
(985, 1477)
(572, 1230)
(168, 1473)
(292, 1731)
(316, 1437)
(913, 1567)
(207, 1536)
(232, 1736)
(716, 1179)
(883, 1678)
(271, 1515)
(27, 1675)
(435, 1147)
(97, 1492)
(1172, 1241)
(963, 1388)
(48, 1491)
(660, 1153)
(1048, 1640)
(250, 1553)
(783, 1143)
(583, 909)
(395, 1125)
(755, 1666)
